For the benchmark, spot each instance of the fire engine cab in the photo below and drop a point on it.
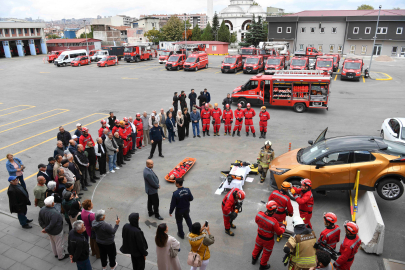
(253, 64)
(299, 63)
(232, 63)
(300, 89)
(175, 62)
(164, 56)
(275, 63)
(309, 52)
(137, 53)
(53, 55)
(325, 64)
(248, 51)
(336, 60)
(352, 69)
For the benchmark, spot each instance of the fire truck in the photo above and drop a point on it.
(300, 89)
(53, 55)
(281, 48)
(248, 51)
(138, 53)
(336, 60)
(299, 63)
(164, 56)
(352, 69)
(267, 53)
(325, 64)
(308, 52)
(232, 63)
(253, 64)
(275, 63)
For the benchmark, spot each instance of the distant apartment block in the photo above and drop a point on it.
(194, 19)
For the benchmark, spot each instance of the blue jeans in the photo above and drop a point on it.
(112, 161)
(171, 136)
(22, 182)
(196, 125)
(22, 218)
(84, 265)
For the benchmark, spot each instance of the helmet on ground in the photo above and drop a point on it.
(351, 226)
(239, 105)
(240, 195)
(103, 122)
(330, 217)
(286, 185)
(271, 205)
(84, 129)
(268, 143)
(125, 119)
(306, 182)
(227, 106)
(138, 114)
(263, 107)
(297, 221)
(122, 123)
(248, 105)
(117, 121)
(215, 104)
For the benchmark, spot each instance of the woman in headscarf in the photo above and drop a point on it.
(163, 244)
(180, 125)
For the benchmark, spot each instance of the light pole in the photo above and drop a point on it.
(185, 32)
(375, 37)
(87, 44)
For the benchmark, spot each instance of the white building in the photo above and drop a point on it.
(119, 20)
(238, 16)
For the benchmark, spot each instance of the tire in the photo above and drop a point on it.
(137, 59)
(127, 61)
(242, 102)
(382, 134)
(222, 71)
(244, 72)
(78, 65)
(150, 57)
(296, 183)
(206, 66)
(299, 107)
(177, 68)
(341, 78)
(390, 189)
(106, 65)
(196, 69)
(64, 64)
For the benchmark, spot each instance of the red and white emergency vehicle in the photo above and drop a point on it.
(175, 62)
(336, 60)
(138, 53)
(53, 55)
(80, 60)
(299, 63)
(325, 64)
(267, 53)
(109, 60)
(300, 89)
(274, 63)
(309, 52)
(352, 69)
(247, 51)
(253, 64)
(196, 61)
(232, 63)
(164, 56)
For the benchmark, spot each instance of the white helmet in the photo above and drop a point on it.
(267, 143)
(297, 221)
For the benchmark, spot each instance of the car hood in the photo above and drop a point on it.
(286, 161)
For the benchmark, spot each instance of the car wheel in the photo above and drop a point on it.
(390, 189)
(222, 71)
(299, 107)
(64, 64)
(106, 65)
(206, 66)
(116, 63)
(296, 183)
(196, 68)
(382, 134)
(242, 102)
(150, 57)
(177, 68)
(78, 65)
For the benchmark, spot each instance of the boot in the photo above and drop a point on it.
(215, 134)
(279, 237)
(218, 134)
(233, 226)
(261, 135)
(264, 135)
(263, 267)
(247, 134)
(233, 134)
(227, 132)
(238, 133)
(254, 135)
(208, 133)
(203, 133)
(261, 180)
(254, 260)
(228, 232)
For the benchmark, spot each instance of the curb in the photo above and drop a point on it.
(388, 77)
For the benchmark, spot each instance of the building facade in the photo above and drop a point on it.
(110, 35)
(194, 19)
(118, 20)
(73, 44)
(140, 27)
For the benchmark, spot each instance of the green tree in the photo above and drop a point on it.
(52, 36)
(365, 7)
(215, 25)
(207, 34)
(89, 35)
(196, 36)
(223, 33)
(153, 35)
(255, 3)
(173, 30)
(234, 37)
(396, 8)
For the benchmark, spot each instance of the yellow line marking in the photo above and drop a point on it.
(364, 80)
(152, 68)
(203, 69)
(28, 117)
(217, 72)
(135, 67)
(65, 110)
(126, 78)
(336, 75)
(385, 79)
(13, 107)
(49, 131)
(240, 72)
(25, 179)
(19, 110)
(44, 72)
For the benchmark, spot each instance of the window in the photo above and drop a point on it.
(6, 31)
(399, 30)
(19, 31)
(363, 49)
(334, 30)
(310, 45)
(322, 30)
(355, 30)
(214, 48)
(302, 29)
(382, 30)
(340, 48)
(288, 30)
(279, 30)
(26, 31)
(12, 31)
(337, 158)
(301, 47)
(368, 30)
(312, 30)
(394, 51)
(320, 47)
(363, 156)
(32, 31)
(352, 49)
(331, 48)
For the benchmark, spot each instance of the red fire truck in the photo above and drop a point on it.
(138, 53)
(352, 69)
(232, 63)
(196, 61)
(164, 56)
(300, 89)
(325, 64)
(266, 53)
(253, 64)
(309, 52)
(53, 55)
(248, 51)
(275, 63)
(336, 60)
(299, 63)
(175, 62)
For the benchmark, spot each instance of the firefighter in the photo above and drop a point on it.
(139, 130)
(227, 118)
(264, 116)
(124, 134)
(305, 200)
(239, 114)
(249, 113)
(85, 138)
(349, 246)
(267, 228)
(266, 155)
(216, 119)
(229, 208)
(129, 137)
(117, 126)
(103, 126)
(206, 116)
(331, 235)
(300, 247)
(284, 206)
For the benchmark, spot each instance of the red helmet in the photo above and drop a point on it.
(206, 105)
(125, 119)
(117, 121)
(84, 129)
(306, 182)
(330, 217)
(227, 106)
(271, 205)
(103, 122)
(240, 195)
(351, 226)
(248, 105)
(239, 105)
(138, 114)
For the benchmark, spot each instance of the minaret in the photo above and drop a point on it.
(210, 10)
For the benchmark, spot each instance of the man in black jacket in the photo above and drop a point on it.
(193, 99)
(42, 172)
(78, 247)
(134, 242)
(101, 156)
(120, 155)
(74, 168)
(182, 99)
(201, 99)
(64, 136)
(83, 163)
(156, 134)
(111, 120)
(175, 102)
(91, 156)
(49, 167)
(18, 199)
(227, 100)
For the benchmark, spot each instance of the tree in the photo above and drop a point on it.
(196, 36)
(189, 34)
(173, 30)
(256, 33)
(207, 34)
(234, 37)
(255, 3)
(89, 35)
(52, 36)
(215, 25)
(396, 8)
(153, 35)
(223, 33)
(365, 7)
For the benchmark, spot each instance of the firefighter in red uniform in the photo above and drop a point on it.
(206, 116)
(216, 114)
(86, 137)
(227, 118)
(305, 200)
(117, 126)
(331, 235)
(239, 114)
(284, 206)
(229, 203)
(249, 114)
(129, 137)
(268, 227)
(103, 126)
(264, 116)
(139, 130)
(349, 247)
(124, 136)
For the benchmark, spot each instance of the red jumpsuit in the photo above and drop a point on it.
(206, 116)
(83, 140)
(348, 249)
(249, 114)
(115, 129)
(283, 205)
(139, 132)
(306, 204)
(331, 236)
(228, 206)
(268, 226)
(264, 117)
(227, 115)
(101, 130)
(216, 115)
(124, 134)
(129, 130)
(239, 114)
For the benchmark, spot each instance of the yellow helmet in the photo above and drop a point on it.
(263, 107)
(286, 185)
(216, 104)
(122, 123)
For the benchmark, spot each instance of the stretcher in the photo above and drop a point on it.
(193, 160)
(254, 167)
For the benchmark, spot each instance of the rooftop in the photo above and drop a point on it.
(344, 13)
(71, 40)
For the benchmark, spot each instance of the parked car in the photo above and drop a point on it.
(332, 164)
(106, 61)
(393, 129)
(80, 60)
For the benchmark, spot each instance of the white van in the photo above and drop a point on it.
(67, 56)
(99, 55)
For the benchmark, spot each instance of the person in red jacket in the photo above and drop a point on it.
(249, 114)
(284, 206)
(206, 116)
(264, 116)
(349, 246)
(268, 227)
(331, 235)
(85, 138)
(305, 200)
(239, 114)
(124, 134)
(103, 126)
(228, 208)
(180, 171)
(139, 130)
(116, 128)
(129, 138)
(227, 117)
(216, 114)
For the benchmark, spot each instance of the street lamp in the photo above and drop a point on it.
(87, 44)
(375, 36)
(185, 32)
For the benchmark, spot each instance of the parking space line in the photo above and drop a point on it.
(13, 107)
(25, 179)
(389, 78)
(28, 117)
(19, 110)
(126, 78)
(64, 110)
(56, 128)
(44, 72)
(240, 72)
(152, 68)
(201, 70)
(364, 80)
(336, 74)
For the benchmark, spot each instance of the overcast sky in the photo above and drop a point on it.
(47, 9)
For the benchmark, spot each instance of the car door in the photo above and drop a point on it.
(364, 161)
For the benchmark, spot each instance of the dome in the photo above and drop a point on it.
(256, 10)
(232, 9)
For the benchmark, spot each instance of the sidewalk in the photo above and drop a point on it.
(24, 249)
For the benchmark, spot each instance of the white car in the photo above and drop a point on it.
(393, 129)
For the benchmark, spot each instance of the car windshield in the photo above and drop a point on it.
(273, 61)
(352, 65)
(252, 61)
(61, 56)
(173, 58)
(128, 49)
(312, 61)
(312, 152)
(325, 63)
(190, 60)
(395, 149)
(298, 62)
(77, 59)
(104, 59)
(262, 52)
(165, 53)
(229, 60)
(247, 51)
